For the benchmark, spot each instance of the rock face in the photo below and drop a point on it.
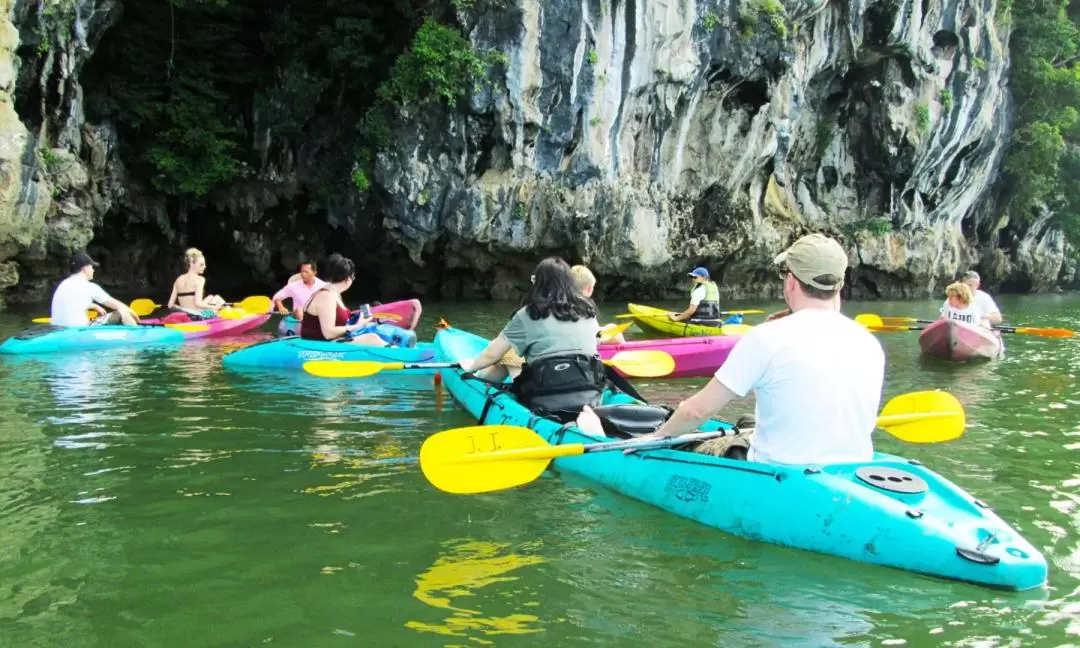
(643, 137)
(56, 183)
(647, 137)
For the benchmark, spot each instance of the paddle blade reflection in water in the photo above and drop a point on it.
(466, 568)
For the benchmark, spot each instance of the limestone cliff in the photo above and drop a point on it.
(56, 184)
(641, 136)
(648, 137)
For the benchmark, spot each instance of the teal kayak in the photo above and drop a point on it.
(293, 352)
(889, 511)
(54, 339)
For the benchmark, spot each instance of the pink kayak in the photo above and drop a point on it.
(694, 356)
(406, 312)
(216, 326)
(952, 340)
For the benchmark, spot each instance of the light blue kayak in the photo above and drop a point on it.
(54, 339)
(889, 511)
(293, 352)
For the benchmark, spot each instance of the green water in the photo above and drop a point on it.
(154, 499)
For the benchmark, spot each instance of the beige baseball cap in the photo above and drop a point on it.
(816, 260)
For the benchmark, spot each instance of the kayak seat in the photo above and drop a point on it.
(178, 317)
(629, 420)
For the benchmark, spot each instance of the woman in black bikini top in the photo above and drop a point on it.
(187, 293)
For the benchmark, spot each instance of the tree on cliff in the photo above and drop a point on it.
(1043, 163)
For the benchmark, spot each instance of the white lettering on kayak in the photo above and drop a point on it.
(110, 335)
(321, 355)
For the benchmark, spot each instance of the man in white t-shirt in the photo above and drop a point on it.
(983, 302)
(816, 373)
(76, 294)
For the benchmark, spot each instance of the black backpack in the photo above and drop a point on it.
(559, 386)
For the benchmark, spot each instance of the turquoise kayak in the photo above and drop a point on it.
(293, 352)
(889, 511)
(54, 339)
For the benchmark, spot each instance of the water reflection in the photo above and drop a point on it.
(466, 567)
(26, 514)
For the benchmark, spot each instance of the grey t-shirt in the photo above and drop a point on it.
(535, 339)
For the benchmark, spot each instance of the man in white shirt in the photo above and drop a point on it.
(76, 294)
(983, 302)
(816, 373)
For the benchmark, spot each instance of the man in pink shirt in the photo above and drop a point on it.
(300, 289)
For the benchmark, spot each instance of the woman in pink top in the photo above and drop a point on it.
(300, 289)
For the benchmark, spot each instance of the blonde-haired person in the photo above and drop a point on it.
(188, 289)
(585, 281)
(960, 305)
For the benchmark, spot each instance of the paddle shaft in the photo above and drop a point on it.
(911, 320)
(422, 365)
(1019, 330)
(886, 420)
(573, 449)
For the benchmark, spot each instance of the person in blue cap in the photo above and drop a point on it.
(704, 299)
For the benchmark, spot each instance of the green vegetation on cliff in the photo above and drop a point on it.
(440, 65)
(210, 92)
(1043, 162)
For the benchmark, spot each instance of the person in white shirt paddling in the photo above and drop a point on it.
(816, 373)
(982, 300)
(77, 294)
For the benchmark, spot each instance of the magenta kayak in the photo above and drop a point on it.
(217, 326)
(952, 340)
(406, 314)
(694, 356)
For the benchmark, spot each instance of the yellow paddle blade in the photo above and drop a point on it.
(386, 316)
(894, 321)
(348, 368)
(143, 307)
(869, 319)
(734, 329)
(644, 363)
(893, 329)
(923, 417)
(255, 304)
(190, 328)
(608, 333)
(232, 312)
(1043, 332)
(92, 314)
(511, 456)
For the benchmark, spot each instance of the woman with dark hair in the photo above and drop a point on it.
(325, 315)
(555, 332)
